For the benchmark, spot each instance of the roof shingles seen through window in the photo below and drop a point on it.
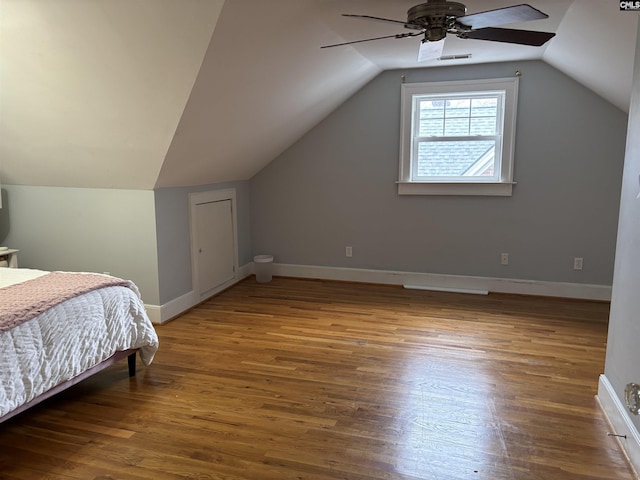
(450, 159)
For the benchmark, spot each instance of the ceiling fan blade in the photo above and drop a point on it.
(399, 35)
(430, 50)
(502, 16)
(387, 20)
(507, 35)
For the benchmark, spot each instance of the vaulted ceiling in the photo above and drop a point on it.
(158, 93)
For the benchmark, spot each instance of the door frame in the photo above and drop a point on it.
(196, 199)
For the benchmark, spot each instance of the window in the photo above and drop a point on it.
(457, 138)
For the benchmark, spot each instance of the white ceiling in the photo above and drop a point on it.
(158, 93)
(91, 91)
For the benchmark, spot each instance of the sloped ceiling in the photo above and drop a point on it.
(91, 91)
(159, 93)
(263, 84)
(595, 45)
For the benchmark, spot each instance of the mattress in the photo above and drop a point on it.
(67, 339)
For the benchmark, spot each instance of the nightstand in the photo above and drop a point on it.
(10, 256)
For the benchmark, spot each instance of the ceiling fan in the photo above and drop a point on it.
(436, 18)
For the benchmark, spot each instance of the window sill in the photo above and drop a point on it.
(502, 189)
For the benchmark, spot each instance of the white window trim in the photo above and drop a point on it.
(502, 188)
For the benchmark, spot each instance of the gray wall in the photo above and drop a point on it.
(84, 229)
(623, 351)
(335, 187)
(172, 226)
(140, 235)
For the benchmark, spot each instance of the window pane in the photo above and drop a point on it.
(483, 107)
(483, 116)
(456, 159)
(456, 127)
(483, 126)
(431, 109)
(457, 107)
(458, 117)
(431, 118)
(431, 127)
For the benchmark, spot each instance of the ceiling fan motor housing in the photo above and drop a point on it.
(436, 17)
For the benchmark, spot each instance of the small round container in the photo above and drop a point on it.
(263, 266)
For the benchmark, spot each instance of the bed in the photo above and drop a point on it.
(57, 328)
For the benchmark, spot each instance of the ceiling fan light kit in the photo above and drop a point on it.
(437, 18)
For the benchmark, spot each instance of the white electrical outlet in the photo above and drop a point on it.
(504, 259)
(577, 263)
(349, 252)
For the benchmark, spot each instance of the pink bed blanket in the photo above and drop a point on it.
(21, 302)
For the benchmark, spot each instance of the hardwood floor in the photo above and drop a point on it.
(301, 379)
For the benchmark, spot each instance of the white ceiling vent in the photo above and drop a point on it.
(455, 57)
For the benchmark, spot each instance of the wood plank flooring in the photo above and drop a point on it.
(312, 380)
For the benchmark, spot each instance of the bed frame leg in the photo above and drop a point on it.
(132, 364)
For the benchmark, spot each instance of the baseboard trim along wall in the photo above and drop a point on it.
(160, 314)
(451, 283)
(620, 422)
(424, 281)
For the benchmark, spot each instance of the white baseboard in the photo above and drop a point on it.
(447, 282)
(428, 281)
(620, 422)
(154, 312)
(160, 314)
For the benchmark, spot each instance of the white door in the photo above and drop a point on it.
(215, 244)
